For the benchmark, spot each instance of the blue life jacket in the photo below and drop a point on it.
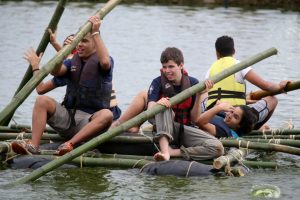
(87, 88)
(222, 129)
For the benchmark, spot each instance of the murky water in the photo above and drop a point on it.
(135, 36)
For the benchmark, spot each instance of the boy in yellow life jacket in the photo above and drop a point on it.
(233, 88)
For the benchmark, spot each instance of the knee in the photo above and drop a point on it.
(43, 101)
(103, 116)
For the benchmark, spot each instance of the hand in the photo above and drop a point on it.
(52, 36)
(283, 84)
(68, 40)
(96, 22)
(224, 106)
(32, 58)
(165, 101)
(249, 100)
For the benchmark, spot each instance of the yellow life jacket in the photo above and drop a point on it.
(228, 89)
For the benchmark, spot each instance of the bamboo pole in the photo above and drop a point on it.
(45, 136)
(275, 132)
(261, 146)
(41, 48)
(4, 147)
(257, 95)
(28, 128)
(141, 118)
(287, 142)
(19, 98)
(234, 155)
(291, 137)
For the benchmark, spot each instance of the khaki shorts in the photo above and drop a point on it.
(61, 121)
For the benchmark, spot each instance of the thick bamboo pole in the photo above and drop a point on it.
(287, 142)
(141, 118)
(261, 146)
(41, 48)
(45, 136)
(262, 93)
(27, 128)
(4, 147)
(19, 98)
(275, 132)
(234, 155)
(292, 137)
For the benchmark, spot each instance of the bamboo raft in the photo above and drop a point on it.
(123, 150)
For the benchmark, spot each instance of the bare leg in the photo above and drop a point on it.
(137, 106)
(164, 150)
(44, 106)
(99, 121)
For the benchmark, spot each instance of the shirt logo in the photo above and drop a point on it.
(167, 85)
(73, 68)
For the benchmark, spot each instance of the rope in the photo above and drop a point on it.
(227, 167)
(188, 171)
(240, 161)
(141, 132)
(20, 135)
(145, 166)
(137, 163)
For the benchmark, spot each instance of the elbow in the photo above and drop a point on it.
(105, 64)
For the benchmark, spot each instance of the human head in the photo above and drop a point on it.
(172, 53)
(172, 64)
(86, 46)
(224, 46)
(241, 119)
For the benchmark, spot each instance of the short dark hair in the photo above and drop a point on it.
(248, 121)
(172, 53)
(225, 46)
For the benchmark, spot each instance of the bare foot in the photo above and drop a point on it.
(161, 156)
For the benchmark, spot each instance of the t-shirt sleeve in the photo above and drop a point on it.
(59, 82)
(154, 90)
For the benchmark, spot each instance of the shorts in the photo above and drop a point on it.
(262, 109)
(60, 121)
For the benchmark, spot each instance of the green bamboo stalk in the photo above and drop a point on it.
(45, 136)
(7, 129)
(276, 132)
(292, 137)
(28, 128)
(262, 93)
(103, 162)
(261, 146)
(287, 142)
(19, 98)
(41, 48)
(141, 118)
(4, 147)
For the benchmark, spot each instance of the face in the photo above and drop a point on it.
(86, 47)
(233, 118)
(172, 71)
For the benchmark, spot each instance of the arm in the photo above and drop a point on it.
(53, 40)
(203, 122)
(255, 79)
(43, 88)
(101, 49)
(196, 110)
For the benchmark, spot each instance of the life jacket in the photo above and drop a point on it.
(181, 110)
(87, 87)
(222, 129)
(227, 89)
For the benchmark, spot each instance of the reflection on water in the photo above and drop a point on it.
(135, 36)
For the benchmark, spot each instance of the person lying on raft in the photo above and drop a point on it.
(175, 125)
(233, 88)
(238, 121)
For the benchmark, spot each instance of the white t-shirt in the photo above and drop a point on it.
(239, 76)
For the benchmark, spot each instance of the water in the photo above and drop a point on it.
(135, 36)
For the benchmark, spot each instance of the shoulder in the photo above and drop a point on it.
(193, 80)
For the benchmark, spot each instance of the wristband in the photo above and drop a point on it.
(35, 70)
(96, 33)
